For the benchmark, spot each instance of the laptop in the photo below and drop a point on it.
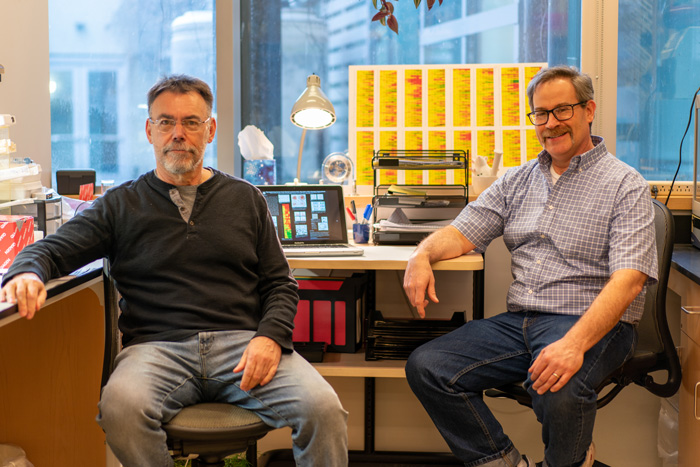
(310, 219)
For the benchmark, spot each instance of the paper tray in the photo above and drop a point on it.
(395, 339)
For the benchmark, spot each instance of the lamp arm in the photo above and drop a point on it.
(301, 149)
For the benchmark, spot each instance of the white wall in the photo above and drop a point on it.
(24, 89)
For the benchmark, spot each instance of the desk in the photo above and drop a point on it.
(382, 257)
(50, 375)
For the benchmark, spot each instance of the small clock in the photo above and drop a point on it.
(337, 168)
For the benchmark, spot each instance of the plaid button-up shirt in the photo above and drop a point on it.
(567, 239)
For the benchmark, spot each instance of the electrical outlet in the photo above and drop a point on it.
(661, 188)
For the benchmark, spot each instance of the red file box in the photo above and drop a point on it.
(330, 310)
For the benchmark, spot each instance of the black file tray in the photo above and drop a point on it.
(395, 339)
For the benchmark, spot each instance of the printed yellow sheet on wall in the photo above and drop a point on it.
(476, 108)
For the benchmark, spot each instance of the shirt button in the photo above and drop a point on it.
(542, 236)
(551, 207)
(530, 291)
(538, 261)
(191, 222)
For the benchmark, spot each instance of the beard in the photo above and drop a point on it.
(176, 162)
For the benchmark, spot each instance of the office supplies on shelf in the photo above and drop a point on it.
(405, 214)
(310, 219)
(404, 190)
(395, 339)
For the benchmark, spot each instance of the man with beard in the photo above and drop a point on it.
(579, 226)
(208, 299)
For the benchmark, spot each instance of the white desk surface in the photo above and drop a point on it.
(385, 257)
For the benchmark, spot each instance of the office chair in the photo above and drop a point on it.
(655, 348)
(212, 431)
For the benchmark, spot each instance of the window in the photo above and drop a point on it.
(658, 59)
(299, 37)
(104, 57)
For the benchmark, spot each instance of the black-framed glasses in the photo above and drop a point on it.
(561, 113)
(166, 125)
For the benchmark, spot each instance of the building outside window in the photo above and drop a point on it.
(658, 63)
(105, 56)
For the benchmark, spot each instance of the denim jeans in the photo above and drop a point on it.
(153, 381)
(449, 374)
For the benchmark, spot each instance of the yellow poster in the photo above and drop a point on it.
(533, 144)
(463, 141)
(510, 97)
(365, 98)
(436, 97)
(437, 142)
(486, 141)
(485, 97)
(387, 142)
(478, 108)
(388, 99)
(511, 148)
(365, 151)
(413, 86)
(414, 141)
(461, 96)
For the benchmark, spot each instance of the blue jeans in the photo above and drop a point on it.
(153, 381)
(449, 374)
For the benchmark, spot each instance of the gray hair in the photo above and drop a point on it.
(583, 85)
(181, 84)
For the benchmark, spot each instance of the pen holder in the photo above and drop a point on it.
(360, 233)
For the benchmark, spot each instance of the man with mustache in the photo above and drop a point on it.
(208, 299)
(579, 226)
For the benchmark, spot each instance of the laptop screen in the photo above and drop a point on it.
(307, 214)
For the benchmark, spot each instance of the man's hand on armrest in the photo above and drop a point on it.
(27, 291)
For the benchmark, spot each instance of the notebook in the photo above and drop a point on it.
(310, 219)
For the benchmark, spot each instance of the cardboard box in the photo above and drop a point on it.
(16, 232)
(331, 310)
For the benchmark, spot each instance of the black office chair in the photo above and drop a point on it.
(212, 431)
(655, 348)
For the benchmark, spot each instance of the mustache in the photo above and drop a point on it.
(178, 147)
(553, 133)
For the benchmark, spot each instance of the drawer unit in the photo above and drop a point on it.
(47, 213)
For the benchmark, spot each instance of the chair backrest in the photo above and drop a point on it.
(112, 335)
(655, 349)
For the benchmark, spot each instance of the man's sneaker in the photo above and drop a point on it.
(525, 462)
(590, 456)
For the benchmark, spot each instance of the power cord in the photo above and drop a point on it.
(680, 149)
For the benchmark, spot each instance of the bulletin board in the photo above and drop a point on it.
(475, 108)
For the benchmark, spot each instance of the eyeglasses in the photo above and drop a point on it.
(561, 113)
(166, 125)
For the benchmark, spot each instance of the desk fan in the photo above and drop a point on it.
(337, 168)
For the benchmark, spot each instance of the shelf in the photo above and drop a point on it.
(354, 365)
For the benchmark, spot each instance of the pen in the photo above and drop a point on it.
(367, 213)
(352, 203)
(352, 217)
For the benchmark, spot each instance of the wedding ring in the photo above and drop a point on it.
(556, 375)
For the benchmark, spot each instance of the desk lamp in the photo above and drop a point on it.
(311, 111)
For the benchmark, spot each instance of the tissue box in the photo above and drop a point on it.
(16, 232)
(260, 171)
